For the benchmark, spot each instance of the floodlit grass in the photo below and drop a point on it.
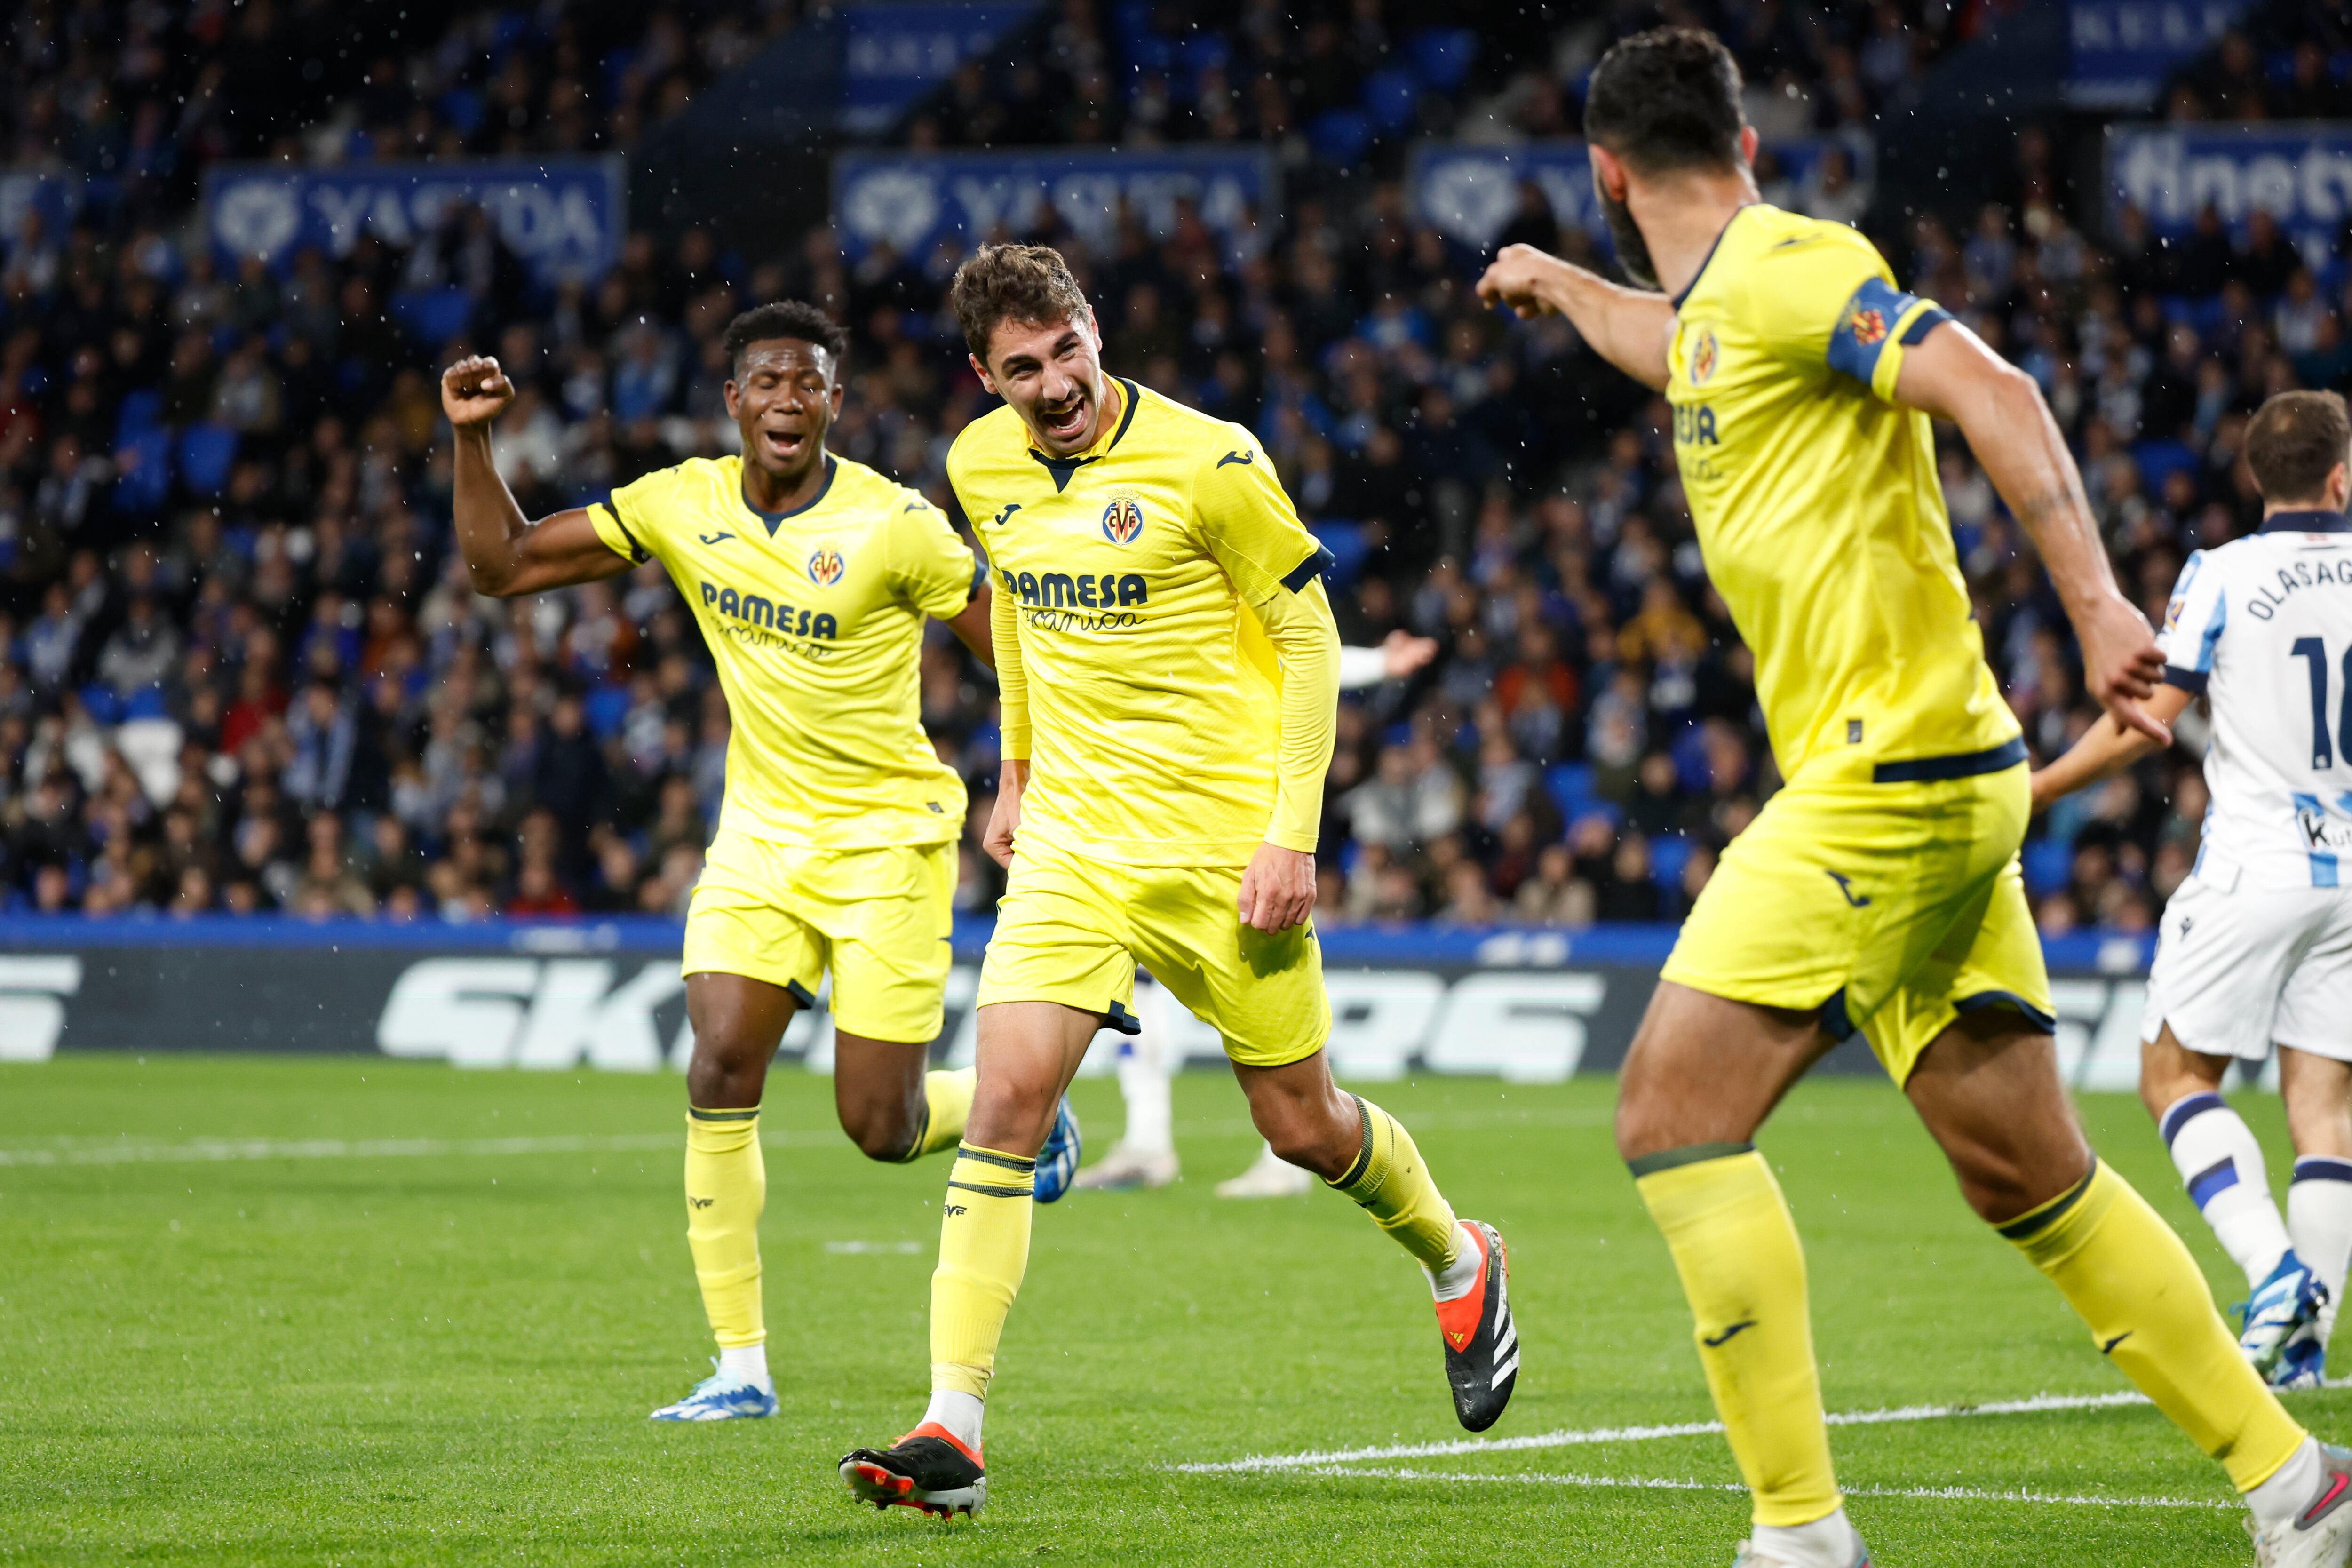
(367, 1354)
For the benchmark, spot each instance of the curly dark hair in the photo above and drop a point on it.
(783, 319)
(1667, 99)
(1012, 283)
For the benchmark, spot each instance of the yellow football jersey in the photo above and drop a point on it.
(1818, 507)
(1134, 585)
(816, 618)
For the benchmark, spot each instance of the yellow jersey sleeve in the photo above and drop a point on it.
(1829, 298)
(929, 564)
(1248, 524)
(1246, 521)
(1011, 678)
(625, 521)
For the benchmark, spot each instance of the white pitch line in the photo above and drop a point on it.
(1578, 1437)
(205, 1151)
(1667, 1483)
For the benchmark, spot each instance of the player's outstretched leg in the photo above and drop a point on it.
(1701, 1077)
(1989, 1090)
(1361, 1150)
(2221, 1165)
(2318, 1092)
(893, 1108)
(737, 1022)
(1028, 1051)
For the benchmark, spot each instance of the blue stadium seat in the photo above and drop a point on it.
(1669, 853)
(1345, 541)
(1392, 96)
(1570, 787)
(205, 453)
(2159, 460)
(1340, 135)
(141, 411)
(433, 316)
(2048, 865)
(1441, 57)
(1149, 53)
(141, 489)
(608, 710)
(461, 108)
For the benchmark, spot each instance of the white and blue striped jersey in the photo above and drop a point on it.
(2263, 626)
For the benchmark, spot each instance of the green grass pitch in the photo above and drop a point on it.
(371, 1356)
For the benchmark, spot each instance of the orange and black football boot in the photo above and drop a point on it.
(928, 1468)
(1482, 1343)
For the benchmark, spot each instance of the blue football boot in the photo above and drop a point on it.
(2284, 1307)
(1058, 1161)
(721, 1397)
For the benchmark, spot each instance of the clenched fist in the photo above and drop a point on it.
(475, 391)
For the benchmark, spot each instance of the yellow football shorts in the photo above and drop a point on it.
(1893, 908)
(878, 918)
(1072, 929)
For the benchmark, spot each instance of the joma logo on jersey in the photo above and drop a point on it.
(754, 610)
(825, 566)
(1057, 590)
(1122, 520)
(1694, 424)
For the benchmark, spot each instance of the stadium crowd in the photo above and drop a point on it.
(241, 669)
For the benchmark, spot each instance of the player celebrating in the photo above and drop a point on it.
(810, 577)
(1167, 663)
(1878, 891)
(2257, 942)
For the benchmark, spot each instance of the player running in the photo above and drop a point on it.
(1879, 890)
(810, 576)
(2257, 943)
(1168, 664)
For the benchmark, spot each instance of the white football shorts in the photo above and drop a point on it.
(2239, 969)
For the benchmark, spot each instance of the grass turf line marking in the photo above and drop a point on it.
(1319, 1458)
(1667, 1483)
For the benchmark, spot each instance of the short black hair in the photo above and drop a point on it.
(783, 319)
(2296, 441)
(1667, 99)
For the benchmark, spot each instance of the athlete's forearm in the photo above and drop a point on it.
(2017, 443)
(1627, 327)
(2106, 749)
(1304, 634)
(489, 520)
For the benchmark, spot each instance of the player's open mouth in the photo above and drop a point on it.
(1065, 425)
(784, 443)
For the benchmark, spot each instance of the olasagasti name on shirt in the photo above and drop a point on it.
(2268, 601)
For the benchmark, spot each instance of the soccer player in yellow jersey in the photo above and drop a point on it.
(1169, 675)
(1878, 891)
(810, 577)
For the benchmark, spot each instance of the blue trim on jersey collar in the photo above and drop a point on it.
(775, 520)
(2318, 519)
(1677, 300)
(1063, 468)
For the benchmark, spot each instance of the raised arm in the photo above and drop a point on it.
(1951, 374)
(506, 554)
(1629, 328)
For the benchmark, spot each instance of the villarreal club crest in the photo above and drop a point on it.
(1701, 360)
(825, 566)
(1122, 520)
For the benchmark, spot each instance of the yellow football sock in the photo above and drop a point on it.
(726, 1188)
(1393, 1185)
(946, 1106)
(1743, 1272)
(983, 1251)
(2124, 1271)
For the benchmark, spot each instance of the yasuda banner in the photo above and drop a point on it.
(564, 217)
(1470, 193)
(894, 52)
(2300, 175)
(2121, 51)
(913, 201)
